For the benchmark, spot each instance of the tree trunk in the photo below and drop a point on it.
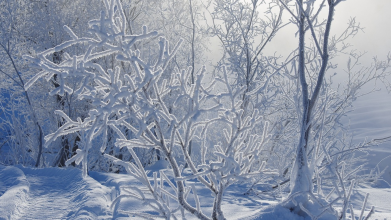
(300, 176)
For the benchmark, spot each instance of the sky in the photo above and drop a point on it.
(374, 16)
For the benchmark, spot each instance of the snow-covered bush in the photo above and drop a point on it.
(134, 104)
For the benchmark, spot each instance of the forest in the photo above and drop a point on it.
(189, 109)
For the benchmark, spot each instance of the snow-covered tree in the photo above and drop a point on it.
(314, 58)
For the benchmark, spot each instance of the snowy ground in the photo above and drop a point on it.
(51, 193)
(55, 193)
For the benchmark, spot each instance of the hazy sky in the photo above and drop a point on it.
(375, 17)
